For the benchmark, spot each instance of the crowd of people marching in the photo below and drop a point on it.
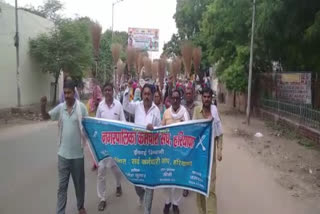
(140, 102)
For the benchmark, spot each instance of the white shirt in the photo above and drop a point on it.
(141, 117)
(216, 121)
(114, 112)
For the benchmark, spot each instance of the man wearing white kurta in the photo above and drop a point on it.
(175, 114)
(146, 113)
(110, 109)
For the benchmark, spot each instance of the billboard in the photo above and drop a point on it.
(294, 87)
(144, 39)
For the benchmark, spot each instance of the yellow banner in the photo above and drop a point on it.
(290, 78)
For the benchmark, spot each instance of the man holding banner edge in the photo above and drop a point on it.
(145, 113)
(173, 156)
(175, 114)
(110, 109)
(71, 139)
(209, 111)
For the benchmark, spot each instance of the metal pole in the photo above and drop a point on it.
(251, 60)
(112, 20)
(16, 44)
(114, 70)
(114, 67)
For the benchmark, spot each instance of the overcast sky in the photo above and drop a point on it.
(128, 13)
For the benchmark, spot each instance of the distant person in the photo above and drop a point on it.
(190, 104)
(71, 141)
(167, 102)
(137, 95)
(95, 98)
(209, 111)
(159, 103)
(92, 105)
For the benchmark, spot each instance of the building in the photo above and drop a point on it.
(33, 82)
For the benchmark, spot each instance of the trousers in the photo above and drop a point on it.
(102, 172)
(75, 168)
(173, 195)
(145, 195)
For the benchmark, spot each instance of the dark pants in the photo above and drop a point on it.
(75, 167)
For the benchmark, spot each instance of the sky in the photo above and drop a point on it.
(127, 13)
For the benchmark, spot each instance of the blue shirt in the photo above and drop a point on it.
(70, 142)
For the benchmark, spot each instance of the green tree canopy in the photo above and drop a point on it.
(287, 32)
(105, 70)
(66, 48)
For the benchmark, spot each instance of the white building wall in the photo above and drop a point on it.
(33, 82)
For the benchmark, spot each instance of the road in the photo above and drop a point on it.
(28, 180)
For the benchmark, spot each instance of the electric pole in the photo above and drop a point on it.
(251, 61)
(16, 44)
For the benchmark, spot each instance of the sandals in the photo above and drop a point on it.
(119, 191)
(102, 205)
(185, 193)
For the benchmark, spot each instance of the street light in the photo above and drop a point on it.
(113, 4)
(251, 60)
(114, 68)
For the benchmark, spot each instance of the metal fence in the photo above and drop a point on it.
(303, 114)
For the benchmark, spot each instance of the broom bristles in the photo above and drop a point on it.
(155, 69)
(115, 50)
(186, 52)
(147, 66)
(130, 57)
(96, 30)
(162, 71)
(197, 59)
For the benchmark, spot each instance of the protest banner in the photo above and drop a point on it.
(178, 155)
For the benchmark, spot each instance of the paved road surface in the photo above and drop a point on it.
(28, 180)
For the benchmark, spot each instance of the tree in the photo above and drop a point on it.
(171, 49)
(49, 10)
(225, 29)
(188, 17)
(289, 30)
(66, 48)
(105, 67)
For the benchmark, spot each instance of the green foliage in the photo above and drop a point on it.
(105, 65)
(225, 31)
(188, 16)
(235, 74)
(66, 48)
(49, 10)
(287, 31)
(172, 48)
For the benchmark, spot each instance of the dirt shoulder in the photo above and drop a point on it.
(19, 116)
(295, 160)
